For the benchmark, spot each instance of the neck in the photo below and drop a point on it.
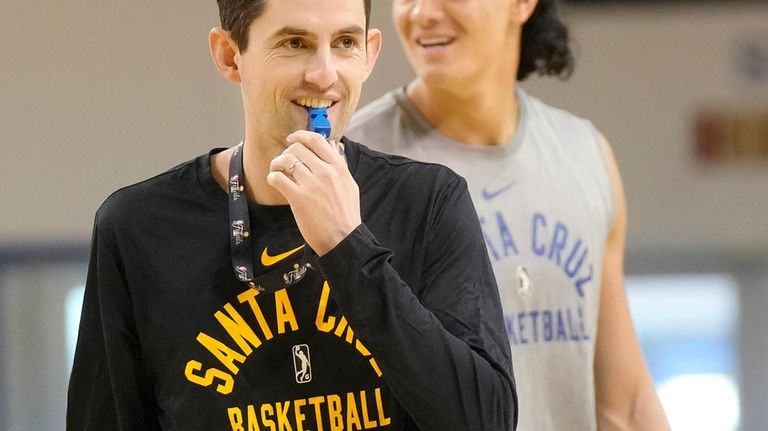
(482, 114)
(255, 169)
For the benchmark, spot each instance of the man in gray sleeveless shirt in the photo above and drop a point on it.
(548, 194)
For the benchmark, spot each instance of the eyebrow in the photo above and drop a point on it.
(294, 31)
(352, 29)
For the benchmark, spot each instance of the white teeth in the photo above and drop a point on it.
(310, 102)
(434, 41)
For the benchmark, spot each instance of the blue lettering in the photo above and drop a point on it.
(534, 316)
(538, 220)
(506, 238)
(582, 281)
(573, 260)
(583, 326)
(558, 242)
(546, 317)
(569, 269)
(521, 327)
(560, 326)
(574, 335)
(510, 324)
(566, 324)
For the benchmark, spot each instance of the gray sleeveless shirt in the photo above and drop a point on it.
(545, 203)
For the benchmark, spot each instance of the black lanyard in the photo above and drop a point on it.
(241, 242)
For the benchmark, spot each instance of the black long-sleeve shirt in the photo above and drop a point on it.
(401, 327)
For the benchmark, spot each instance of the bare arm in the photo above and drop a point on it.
(626, 398)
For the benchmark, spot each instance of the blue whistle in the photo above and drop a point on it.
(318, 122)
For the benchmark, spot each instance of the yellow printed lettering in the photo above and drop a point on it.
(282, 416)
(367, 423)
(317, 401)
(235, 419)
(253, 420)
(236, 327)
(250, 297)
(224, 354)
(324, 324)
(362, 349)
(383, 419)
(264, 419)
(284, 312)
(353, 418)
(334, 413)
(300, 418)
(225, 387)
(375, 367)
(342, 326)
(348, 412)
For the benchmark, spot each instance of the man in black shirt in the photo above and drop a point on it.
(292, 282)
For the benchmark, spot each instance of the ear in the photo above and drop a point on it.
(522, 10)
(372, 50)
(225, 54)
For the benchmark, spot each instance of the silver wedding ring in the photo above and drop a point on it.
(293, 166)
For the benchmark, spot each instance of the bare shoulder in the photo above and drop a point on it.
(617, 185)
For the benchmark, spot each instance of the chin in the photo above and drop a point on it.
(440, 77)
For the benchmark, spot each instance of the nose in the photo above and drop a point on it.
(427, 12)
(321, 72)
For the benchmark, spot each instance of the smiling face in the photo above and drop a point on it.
(301, 54)
(452, 41)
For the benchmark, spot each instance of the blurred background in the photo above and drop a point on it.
(98, 95)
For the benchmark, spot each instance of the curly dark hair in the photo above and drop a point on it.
(544, 44)
(237, 15)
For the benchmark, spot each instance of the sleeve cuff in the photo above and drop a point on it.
(350, 254)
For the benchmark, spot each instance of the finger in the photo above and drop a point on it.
(283, 184)
(282, 162)
(286, 162)
(310, 159)
(317, 144)
(299, 171)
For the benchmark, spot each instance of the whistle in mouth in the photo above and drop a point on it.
(318, 122)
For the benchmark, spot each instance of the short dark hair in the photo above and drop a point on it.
(237, 15)
(544, 44)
